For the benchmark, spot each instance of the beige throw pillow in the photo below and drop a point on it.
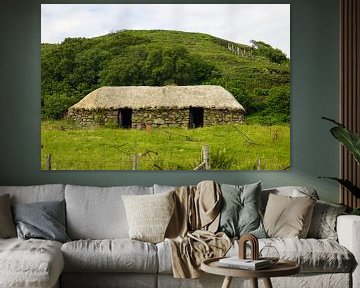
(288, 217)
(148, 215)
(7, 226)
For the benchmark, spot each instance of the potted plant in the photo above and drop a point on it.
(351, 141)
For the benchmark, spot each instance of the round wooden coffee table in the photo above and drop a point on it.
(281, 268)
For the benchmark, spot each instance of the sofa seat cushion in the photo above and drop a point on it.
(98, 212)
(30, 263)
(313, 255)
(164, 257)
(110, 255)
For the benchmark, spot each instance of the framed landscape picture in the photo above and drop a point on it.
(165, 86)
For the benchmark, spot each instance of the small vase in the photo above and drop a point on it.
(270, 253)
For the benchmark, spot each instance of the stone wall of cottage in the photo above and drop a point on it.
(93, 117)
(222, 116)
(142, 118)
(160, 118)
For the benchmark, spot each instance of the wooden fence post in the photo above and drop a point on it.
(135, 162)
(258, 164)
(48, 162)
(205, 156)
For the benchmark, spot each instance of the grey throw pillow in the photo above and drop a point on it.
(323, 222)
(7, 226)
(44, 220)
(240, 213)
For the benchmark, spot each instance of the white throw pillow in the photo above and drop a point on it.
(149, 215)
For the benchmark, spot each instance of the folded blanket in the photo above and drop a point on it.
(190, 251)
(191, 231)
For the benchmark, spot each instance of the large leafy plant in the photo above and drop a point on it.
(351, 141)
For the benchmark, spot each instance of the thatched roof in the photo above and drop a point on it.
(136, 97)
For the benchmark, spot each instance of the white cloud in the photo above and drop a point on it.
(236, 22)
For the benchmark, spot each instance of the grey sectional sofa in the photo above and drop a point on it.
(101, 254)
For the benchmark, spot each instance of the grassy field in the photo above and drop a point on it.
(232, 147)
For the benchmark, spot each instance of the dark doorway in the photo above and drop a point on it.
(196, 118)
(125, 118)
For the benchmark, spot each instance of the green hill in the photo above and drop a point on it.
(258, 75)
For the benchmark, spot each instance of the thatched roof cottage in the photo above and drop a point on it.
(138, 106)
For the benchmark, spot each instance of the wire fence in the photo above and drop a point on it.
(207, 160)
(136, 161)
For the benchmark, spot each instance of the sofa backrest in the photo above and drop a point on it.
(35, 193)
(163, 188)
(98, 212)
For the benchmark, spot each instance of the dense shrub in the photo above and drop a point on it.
(259, 79)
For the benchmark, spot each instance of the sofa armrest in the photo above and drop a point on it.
(348, 230)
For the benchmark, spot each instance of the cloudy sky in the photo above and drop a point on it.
(235, 22)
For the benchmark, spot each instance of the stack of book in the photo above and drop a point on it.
(248, 264)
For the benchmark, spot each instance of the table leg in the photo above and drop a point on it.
(267, 283)
(254, 282)
(227, 282)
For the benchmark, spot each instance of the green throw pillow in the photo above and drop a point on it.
(240, 213)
